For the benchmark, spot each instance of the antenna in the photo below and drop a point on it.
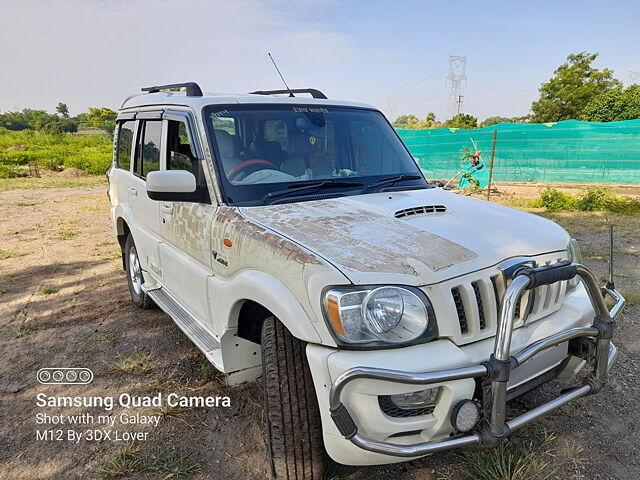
(278, 70)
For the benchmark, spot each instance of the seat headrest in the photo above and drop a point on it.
(225, 143)
(299, 145)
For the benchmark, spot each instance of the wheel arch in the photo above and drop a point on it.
(257, 295)
(122, 231)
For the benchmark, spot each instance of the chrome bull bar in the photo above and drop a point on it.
(497, 369)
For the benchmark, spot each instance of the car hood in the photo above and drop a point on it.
(417, 237)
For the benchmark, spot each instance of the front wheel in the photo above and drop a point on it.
(294, 430)
(135, 279)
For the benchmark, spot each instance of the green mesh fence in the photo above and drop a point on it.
(569, 151)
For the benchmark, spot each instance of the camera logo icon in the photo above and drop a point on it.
(64, 376)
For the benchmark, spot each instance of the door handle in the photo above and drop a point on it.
(166, 208)
(132, 191)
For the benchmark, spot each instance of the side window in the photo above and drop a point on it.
(125, 142)
(180, 155)
(148, 151)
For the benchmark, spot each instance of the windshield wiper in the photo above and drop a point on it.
(294, 189)
(391, 181)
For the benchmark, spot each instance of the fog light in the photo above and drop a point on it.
(420, 399)
(465, 415)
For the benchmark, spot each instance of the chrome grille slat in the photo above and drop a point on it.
(471, 308)
(477, 302)
(481, 314)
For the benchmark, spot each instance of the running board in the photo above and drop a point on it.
(204, 340)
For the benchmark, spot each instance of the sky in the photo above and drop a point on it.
(393, 54)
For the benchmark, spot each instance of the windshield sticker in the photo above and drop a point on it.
(310, 110)
(221, 113)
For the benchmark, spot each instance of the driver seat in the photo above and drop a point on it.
(227, 149)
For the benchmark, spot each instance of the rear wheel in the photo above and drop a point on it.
(294, 430)
(135, 278)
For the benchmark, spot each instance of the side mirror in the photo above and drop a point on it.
(171, 185)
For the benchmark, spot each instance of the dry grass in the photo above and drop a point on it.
(532, 460)
(131, 460)
(136, 364)
(23, 331)
(4, 254)
(51, 182)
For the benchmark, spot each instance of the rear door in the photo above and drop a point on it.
(148, 152)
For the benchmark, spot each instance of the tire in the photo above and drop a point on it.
(135, 278)
(294, 429)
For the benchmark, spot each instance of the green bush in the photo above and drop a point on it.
(621, 204)
(93, 163)
(91, 153)
(7, 172)
(591, 199)
(596, 198)
(555, 201)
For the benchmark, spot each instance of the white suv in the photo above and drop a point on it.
(296, 239)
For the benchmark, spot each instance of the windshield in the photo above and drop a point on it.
(264, 153)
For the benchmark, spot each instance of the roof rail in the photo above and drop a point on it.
(193, 89)
(312, 91)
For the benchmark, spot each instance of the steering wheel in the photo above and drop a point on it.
(249, 166)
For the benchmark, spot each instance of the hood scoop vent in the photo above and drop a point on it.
(423, 210)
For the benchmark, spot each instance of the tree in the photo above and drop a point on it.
(462, 120)
(403, 121)
(487, 122)
(63, 110)
(103, 118)
(574, 84)
(614, 105)
(412, 122)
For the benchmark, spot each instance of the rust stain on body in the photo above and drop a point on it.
(359, 239)
(250, 239)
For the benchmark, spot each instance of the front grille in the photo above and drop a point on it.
(477, 301)
(392, 410)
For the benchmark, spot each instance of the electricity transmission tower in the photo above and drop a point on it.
(457, 75)
(634, 78)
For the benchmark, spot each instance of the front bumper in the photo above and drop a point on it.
(353, 418)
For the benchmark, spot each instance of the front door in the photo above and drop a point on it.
(185, 227)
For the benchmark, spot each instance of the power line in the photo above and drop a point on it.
(457, 75)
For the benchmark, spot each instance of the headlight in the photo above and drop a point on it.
(574, 255)
(379, 315)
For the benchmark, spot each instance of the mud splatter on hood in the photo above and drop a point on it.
(361, 236)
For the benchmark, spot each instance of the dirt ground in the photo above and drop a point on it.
(64, 302)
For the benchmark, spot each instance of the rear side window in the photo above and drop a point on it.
(125, 142)
(148, 154)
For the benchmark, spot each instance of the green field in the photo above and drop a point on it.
(91, 153)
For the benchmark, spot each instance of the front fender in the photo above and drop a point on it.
(266, 290)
